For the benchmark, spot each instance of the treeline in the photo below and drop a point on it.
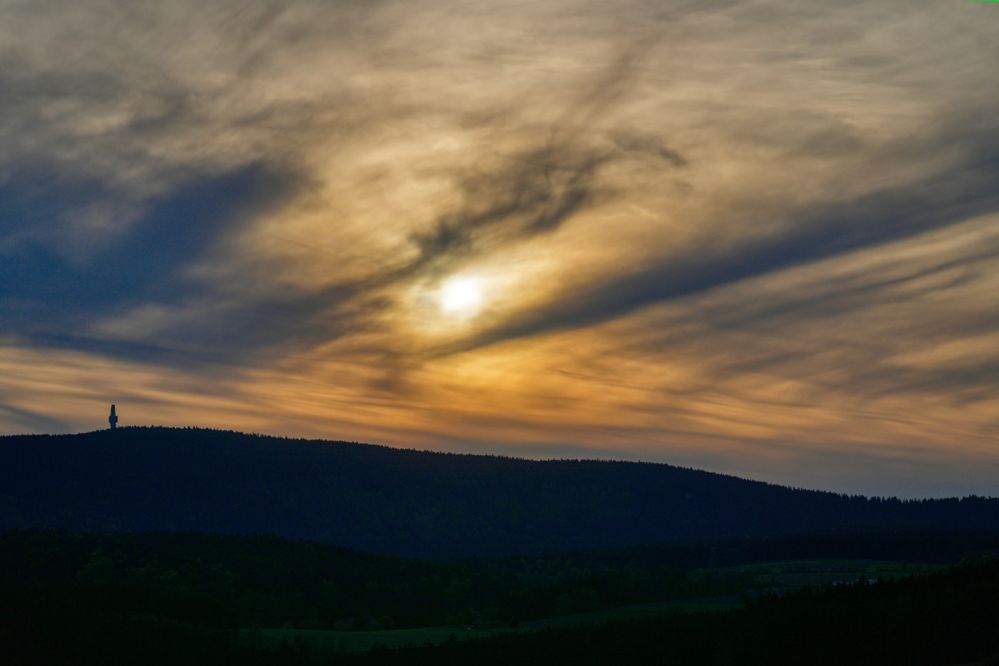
(184, 598)
(414, 503)
(940, 546)
(946, 618)
(263, 581)
(266, 582)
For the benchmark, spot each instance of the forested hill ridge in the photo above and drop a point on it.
(414, 503)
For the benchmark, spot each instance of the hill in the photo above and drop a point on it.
(414, 503)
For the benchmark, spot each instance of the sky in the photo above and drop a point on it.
(759, 237)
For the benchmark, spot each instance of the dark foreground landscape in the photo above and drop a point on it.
(170, 546)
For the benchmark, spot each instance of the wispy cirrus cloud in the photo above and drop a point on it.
(751, 234)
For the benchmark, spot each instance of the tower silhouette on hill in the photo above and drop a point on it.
(113, 418)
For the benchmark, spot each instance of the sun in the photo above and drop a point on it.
(460, 296)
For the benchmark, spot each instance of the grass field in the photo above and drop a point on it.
(339, 642)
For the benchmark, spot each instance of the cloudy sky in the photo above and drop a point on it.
(754, 236)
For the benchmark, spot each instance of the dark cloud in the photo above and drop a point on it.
(31, 420)
(825, 231)
(650, 144)
(57, 294)
(531, 193)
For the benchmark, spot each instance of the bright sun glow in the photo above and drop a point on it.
(460, 296)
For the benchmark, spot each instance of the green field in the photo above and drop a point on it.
(338, 642)
(320, 641)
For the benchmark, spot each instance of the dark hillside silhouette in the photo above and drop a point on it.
(407, 502)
